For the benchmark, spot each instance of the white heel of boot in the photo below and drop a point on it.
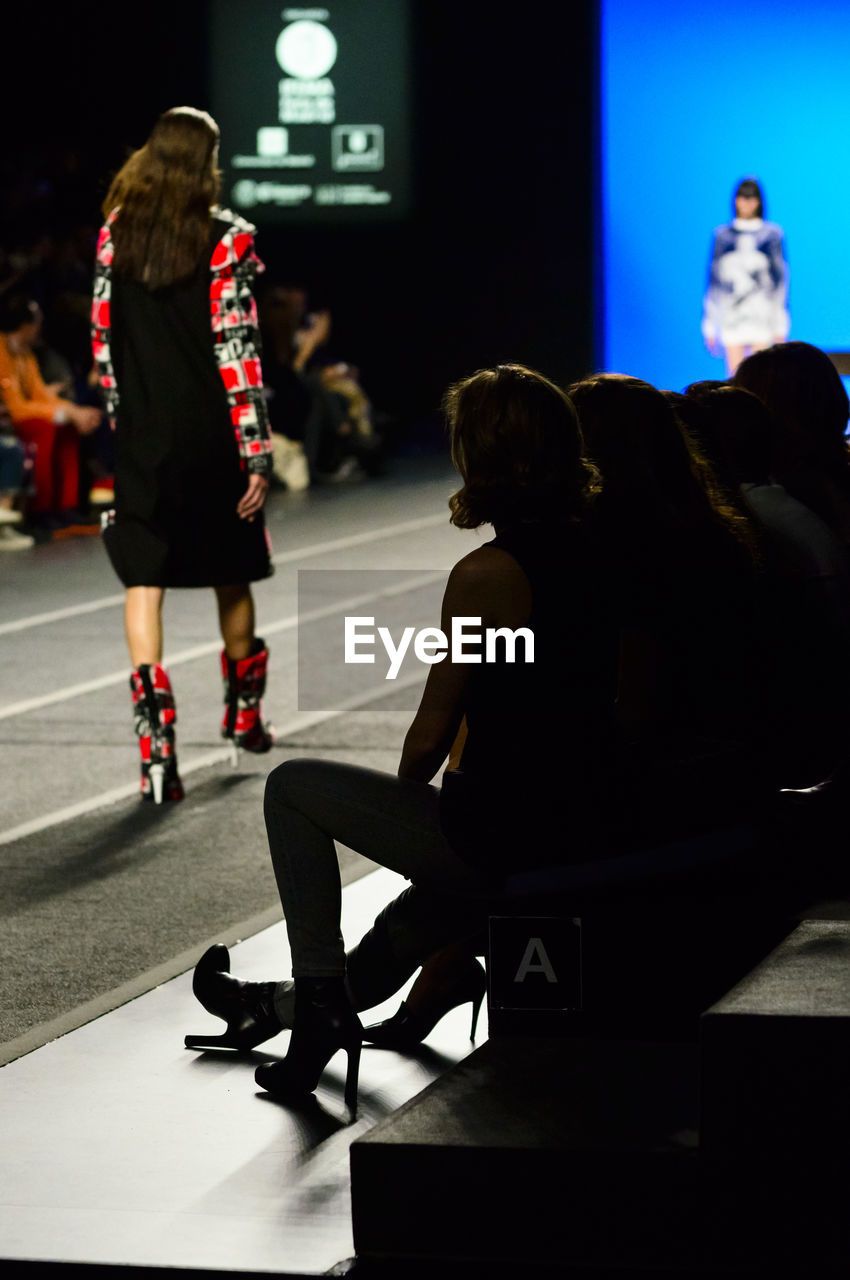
(234, 755)
(157, 776)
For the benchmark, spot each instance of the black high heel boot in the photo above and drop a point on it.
(155, 715)
(324, 1023)
(244, 686)
(406, 1029)
(246, 1007)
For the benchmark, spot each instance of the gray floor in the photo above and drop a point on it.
(119, 1145)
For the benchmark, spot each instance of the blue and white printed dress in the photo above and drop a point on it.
(746, 301)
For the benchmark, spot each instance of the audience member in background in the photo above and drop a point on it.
(97, 449)
(175, 343)
(801, 387)
(13, 466)
(709, 469)
(548, 725)
(804, 596)
(680, 564)
(359, 443)
(319, 413)
(57, 350)
(43, 417)
(302, 420)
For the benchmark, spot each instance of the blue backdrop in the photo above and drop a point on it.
(693, 98)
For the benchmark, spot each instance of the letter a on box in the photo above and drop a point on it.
(535, 960)
(534, 963)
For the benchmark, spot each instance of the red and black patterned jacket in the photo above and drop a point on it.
(234, 327)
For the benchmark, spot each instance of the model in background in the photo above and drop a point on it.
(745, 307)
(175, 344)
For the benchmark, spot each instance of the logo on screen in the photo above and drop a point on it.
(272, 140)
(306, 50)
(357, 147)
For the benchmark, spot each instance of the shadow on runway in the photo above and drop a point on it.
(312, 1124)
(106, 843)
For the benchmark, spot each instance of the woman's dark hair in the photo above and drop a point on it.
(807, 401)
(163, 195)
(749, 187)
(736, 431)
(517, 443)
(653, 471)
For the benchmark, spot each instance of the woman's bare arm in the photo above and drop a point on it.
(487, 584)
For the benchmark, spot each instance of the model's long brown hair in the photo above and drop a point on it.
(517, 443)
(163, 194)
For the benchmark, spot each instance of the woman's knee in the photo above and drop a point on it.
(277, 782)
(290, 779)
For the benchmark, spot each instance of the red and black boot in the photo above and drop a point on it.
(244, 686)
(155, 717)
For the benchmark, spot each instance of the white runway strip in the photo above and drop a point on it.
(213, 646)
(285, 557)
(59, 615)
(297, 724)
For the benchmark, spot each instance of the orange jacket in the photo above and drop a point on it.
(22, 386)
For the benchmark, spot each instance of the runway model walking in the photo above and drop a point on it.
(745, 308)
(175, 343)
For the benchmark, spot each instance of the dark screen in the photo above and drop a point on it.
(313, 105)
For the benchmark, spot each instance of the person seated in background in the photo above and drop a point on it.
(690, 416)
(300, 421)
(319, 414)
(806, 398)
(42, 417)
(546, 726)
(738, 432)
(96, 449)
(804, 590)
(13, 469)
(681, 568)
(358, 441)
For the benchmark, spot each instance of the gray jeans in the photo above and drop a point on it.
(393, 821)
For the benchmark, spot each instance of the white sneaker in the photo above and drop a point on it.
(7, 516)
(11, 540)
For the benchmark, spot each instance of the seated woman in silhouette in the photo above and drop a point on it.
(538, 771)
(678, 561)
(807, 401)
(804, 591)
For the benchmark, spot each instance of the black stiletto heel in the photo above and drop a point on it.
(352, 1077)
(246, 1007)
(324, 1023)
(476, 1009)
(405, 1030)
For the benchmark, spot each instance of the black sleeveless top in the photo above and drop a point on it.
(541, 758)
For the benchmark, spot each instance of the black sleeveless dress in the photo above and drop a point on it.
(178, 475)
(539, 772)
(547, 777)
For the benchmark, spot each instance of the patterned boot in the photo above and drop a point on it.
(244, 686)
(155, 716)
